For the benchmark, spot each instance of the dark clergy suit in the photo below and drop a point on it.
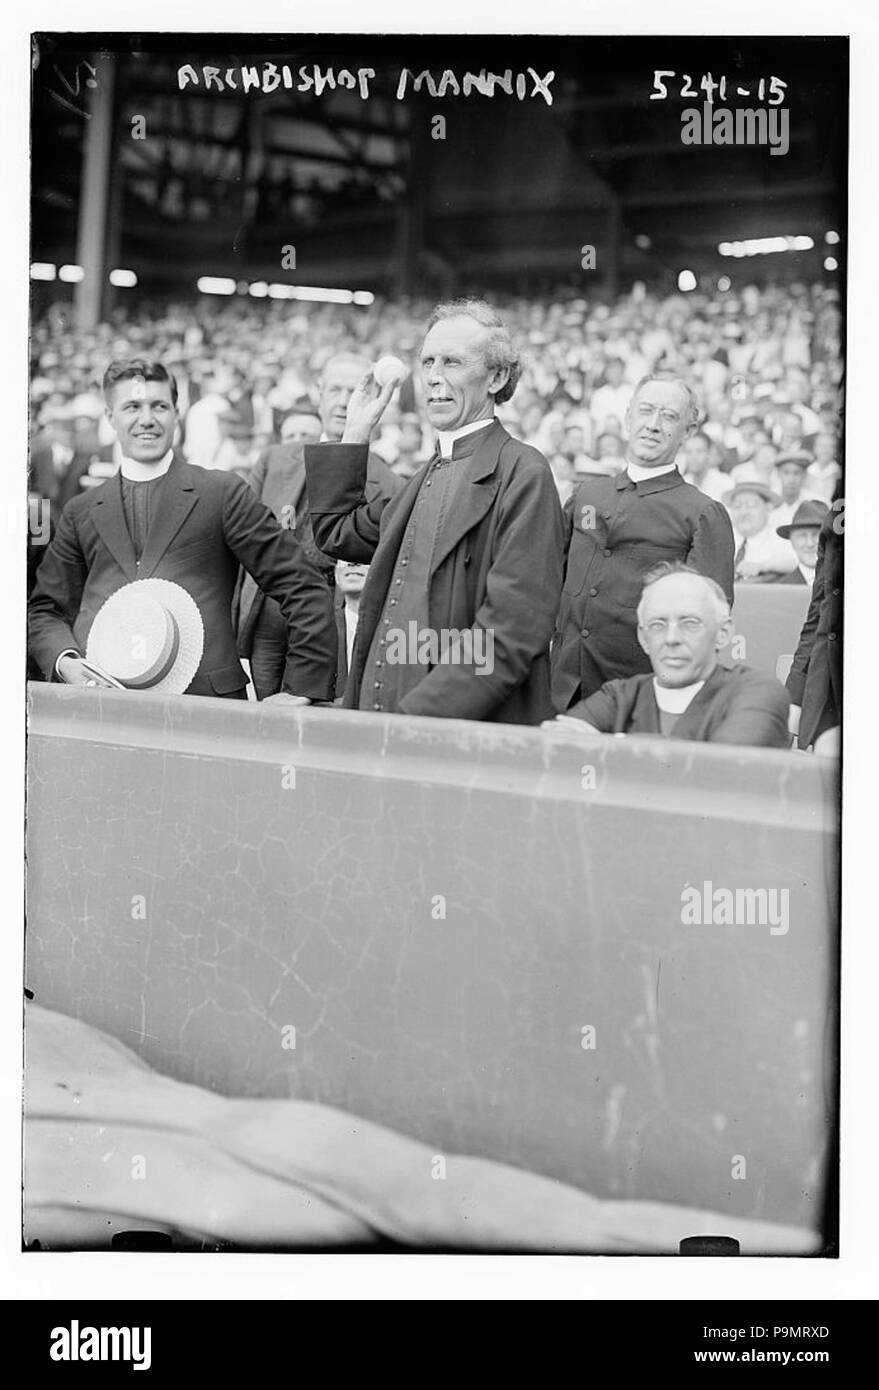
(278, 479)
(206, 523)
(617, 530)
(735, 705)
(496, 564)
(815, 678)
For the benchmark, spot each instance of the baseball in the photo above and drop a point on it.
(389, 369)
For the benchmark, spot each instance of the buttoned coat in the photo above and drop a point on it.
(206, 523)
(815, 678)
(615, 531)
(497, 565)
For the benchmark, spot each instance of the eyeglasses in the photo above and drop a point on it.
(668, 417)
(658, 627)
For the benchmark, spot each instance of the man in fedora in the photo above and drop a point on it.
(792, 478)
(467, 556)
(802, 532)
(161, 517)
(278, 479)
(760, 554)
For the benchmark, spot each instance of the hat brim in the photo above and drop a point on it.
(190, 630)
(769, 497)
(784, 531)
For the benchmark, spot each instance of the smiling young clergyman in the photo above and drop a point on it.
(161, 517)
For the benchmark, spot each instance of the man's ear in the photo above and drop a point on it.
(724, 634)
(642, 640)
(500, 377)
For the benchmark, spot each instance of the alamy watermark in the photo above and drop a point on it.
(719, 125)
(707, 906)
(445, 646)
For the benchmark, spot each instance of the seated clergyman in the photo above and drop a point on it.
(683, 623)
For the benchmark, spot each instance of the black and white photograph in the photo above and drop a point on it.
(435, 711)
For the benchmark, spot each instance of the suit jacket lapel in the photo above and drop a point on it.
(176, 500)
(111, 526)
(474, 494)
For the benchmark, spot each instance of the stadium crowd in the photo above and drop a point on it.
(764, 365)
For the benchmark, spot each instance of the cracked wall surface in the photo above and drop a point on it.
(439, 910)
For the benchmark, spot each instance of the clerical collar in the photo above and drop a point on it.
(675, 701)
(445, 439)
(640, 475)
(137, 472)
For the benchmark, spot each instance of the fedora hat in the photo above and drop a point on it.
(752, 485)
(809, 513)
(149, 635)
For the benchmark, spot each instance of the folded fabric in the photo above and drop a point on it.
(112, 1146)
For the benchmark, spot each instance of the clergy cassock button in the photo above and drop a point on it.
(585, 632)
(592, 593)
(607, 552)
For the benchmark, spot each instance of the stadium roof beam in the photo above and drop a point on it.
(755, 193)
(283, 151)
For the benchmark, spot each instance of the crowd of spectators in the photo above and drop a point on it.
(766, 364)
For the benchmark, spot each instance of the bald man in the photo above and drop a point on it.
(278, 479)
(683, 624)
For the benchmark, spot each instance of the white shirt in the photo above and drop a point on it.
(351, 616)
(808, 574)
(675, 701)
(640, 475)
(446, 438)
(203, 432)
(767, 550)
(610, 400)
(137, 472)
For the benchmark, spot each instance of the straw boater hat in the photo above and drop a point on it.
(149, 635)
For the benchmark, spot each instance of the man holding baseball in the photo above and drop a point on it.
(468, 554)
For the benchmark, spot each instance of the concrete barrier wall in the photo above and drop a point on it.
(472, 933)
(768, 619)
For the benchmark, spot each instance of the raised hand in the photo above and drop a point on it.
(365, 408)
